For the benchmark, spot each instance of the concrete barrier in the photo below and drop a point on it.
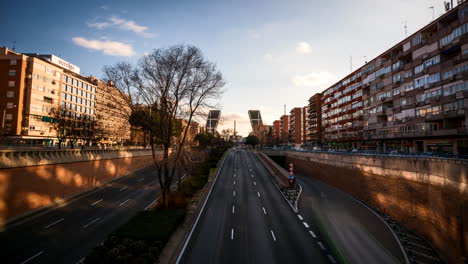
(427, 195)
(26, 158)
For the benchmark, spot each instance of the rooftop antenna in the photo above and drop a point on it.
(14, 45)
(406, 28)
(284, 109)
(365, 59)
(432, 7)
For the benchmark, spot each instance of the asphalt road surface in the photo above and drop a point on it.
(357, 232)
(247, 220)
(67, 234)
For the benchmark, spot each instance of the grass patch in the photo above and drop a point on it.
(152, 225)
(140, 240)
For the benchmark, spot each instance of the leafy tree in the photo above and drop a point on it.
(251, 140)
(204, 139)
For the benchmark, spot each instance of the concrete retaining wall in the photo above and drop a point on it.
(427, 195)
(66, 173)
(25, 158)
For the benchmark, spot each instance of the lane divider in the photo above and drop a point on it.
(31, 258)
(56, 222)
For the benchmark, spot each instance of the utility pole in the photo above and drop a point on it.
(284, 109)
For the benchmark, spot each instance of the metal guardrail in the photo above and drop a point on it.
(372, 153)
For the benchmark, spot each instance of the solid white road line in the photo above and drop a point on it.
(81, 260)
(124, 188)
(124, 202)
(255, 183)
(96, 202)
(233, 209)
(305, 224)
(56, 222)
(321, 245)
(92, 222)
(312, 234)
(234, 182)
(232, 233)
(141, 179)
(273, 235)
(258, 194)
(264, 211)
(31, 258)
(252, 175)
(331, 258)
(146, 188)
(234, 175)
(300, 217)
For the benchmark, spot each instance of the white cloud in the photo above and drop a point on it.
(253, 34)
(108, 47)
(314, 79)
(303, 47)
(268, 56)
(124, 24)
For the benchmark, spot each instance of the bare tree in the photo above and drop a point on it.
(62, 124)
(174, 84)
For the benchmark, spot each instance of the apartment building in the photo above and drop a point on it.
(305, 121)
(32, 84)
(314, 121)
(276, 131)
(296, 125)
(411, 98)
(416, 98)
(113, 111)
(284, 129)
(342, 115)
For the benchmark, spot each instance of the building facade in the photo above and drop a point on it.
(34, 86)
(276, 131)
(296, 126)
(411, 98)
(113, 111)
(314, 122)
(342, 115)
(212, 121)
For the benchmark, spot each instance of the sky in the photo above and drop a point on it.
(271, 52)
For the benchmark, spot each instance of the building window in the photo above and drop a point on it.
(48, 100)
(10, 94)
(12, 62)
(8, 116)
(64, 78)
(64, 96)
(11, 72)
(416, 40)
(10, 105)
(11, 83)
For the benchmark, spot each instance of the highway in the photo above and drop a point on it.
(358, 233)
(68, 233)
(247, 220)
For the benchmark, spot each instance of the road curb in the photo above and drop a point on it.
(180, 251)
